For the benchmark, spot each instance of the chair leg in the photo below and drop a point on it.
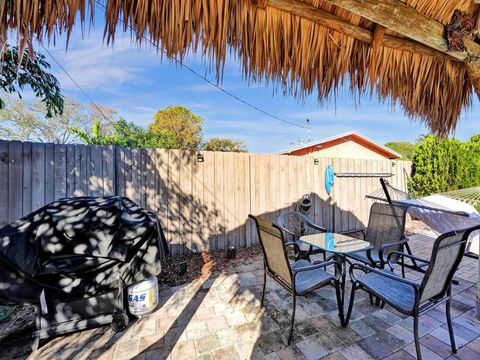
(371, 298)
(417, 340)
(264, 285)
(450, 327)
(339, 303)
(403, 267)
(293, 320)
(350, 305)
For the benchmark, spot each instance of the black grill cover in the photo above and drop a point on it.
(79, 247)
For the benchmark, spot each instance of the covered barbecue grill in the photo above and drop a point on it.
(73, 259)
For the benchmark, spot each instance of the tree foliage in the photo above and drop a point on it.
(225, 144)
(440, 165)
(24, 121)
(404, 148)
(19, 71)
(177, 127)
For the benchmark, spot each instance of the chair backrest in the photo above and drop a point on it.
(386, 225)
(294, 225)
(273, 247)
(447, 254)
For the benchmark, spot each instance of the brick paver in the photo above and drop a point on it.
(220, 317)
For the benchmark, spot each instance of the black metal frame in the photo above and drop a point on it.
(56, 319)
(291, 289)
(311, 250)
(403, 243)
(418, 308)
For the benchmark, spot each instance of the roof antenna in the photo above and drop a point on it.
(309, 131)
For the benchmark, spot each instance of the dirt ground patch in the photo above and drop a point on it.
(203, 264)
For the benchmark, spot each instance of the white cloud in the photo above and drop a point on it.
(93, 65)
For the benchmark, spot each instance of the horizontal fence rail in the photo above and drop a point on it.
(202, 205)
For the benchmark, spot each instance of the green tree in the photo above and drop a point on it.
(177, 127)
(24, 121)
(225, 144)
(19, 71)
(404, 148)
(440, 165)
(120, 133)
(127, 134)
(95, 136)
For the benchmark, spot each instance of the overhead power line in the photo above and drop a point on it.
(218, 87)
(76, 84)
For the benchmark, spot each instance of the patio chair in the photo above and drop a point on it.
(299, 277)
(385, 231)
(295, 225)
(408, 297)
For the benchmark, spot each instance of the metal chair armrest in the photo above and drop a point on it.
(386, 246)
(294, 244)
(399, 253)
(362, 230)
(367, 268)
(291, 233)
(315, 265)
(311, 224)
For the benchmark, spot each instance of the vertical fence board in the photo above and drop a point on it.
(209, 189)
(108, 162)
(38, 176)
(15, 198)
(128, 173)
(185, 193)
(220, 200)
(137, 183)
(162, 196)
(173, 229)
(359, 197)
(254, 195)
(4, 185)
(49, 173)
(198, 214)
(352, 196)
(71, 170)
(240, 199)
(60, 171)
(95, 187)
(150, 174)
(120, 172)
(230, 174)
(317, 178)
(27, 178)
(142, 177)
(81, 164)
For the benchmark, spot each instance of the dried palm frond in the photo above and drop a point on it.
(301, 56)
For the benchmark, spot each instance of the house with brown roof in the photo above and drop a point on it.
(351, 145)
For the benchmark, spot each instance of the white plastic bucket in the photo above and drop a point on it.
(143, 297)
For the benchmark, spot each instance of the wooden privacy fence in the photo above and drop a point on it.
(201, 204)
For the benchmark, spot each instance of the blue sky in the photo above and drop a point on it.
(137, 81)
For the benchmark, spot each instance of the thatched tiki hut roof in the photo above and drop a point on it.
(419, 53)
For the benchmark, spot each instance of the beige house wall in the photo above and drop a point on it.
(349, 149)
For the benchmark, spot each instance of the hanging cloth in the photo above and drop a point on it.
(329, 179)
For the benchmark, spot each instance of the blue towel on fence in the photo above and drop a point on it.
(329, 179)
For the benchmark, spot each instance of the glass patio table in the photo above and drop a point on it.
(339, 246)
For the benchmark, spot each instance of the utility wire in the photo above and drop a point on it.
(76, 84)
(218, 87)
